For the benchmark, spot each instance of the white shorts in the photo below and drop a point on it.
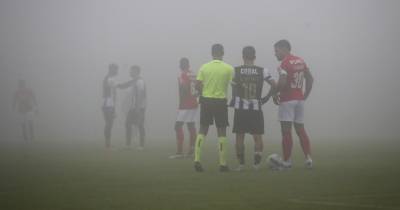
(291, 111)
(186, 115)
(26, 117)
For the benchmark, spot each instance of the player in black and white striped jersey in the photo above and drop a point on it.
(247, 101)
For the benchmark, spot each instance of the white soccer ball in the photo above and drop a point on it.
(274, 161)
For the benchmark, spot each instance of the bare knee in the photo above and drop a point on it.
(178, 125)
(298, 127)
(221, 132)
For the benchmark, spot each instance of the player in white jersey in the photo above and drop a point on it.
(137, 106)
(25, 104)
(109, 99)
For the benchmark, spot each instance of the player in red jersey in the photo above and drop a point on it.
(292, 73)
(187, 108)
(26, 106)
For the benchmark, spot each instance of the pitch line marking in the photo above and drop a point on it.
(325, 203)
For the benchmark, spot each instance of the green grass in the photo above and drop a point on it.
(81, 175)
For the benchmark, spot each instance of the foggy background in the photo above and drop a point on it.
(63, 48)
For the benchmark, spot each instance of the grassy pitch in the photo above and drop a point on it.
(82, 175)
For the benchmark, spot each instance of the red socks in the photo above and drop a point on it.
(304, 141)
(179, 140)
(287, 144)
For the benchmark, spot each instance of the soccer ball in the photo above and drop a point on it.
(274, 162)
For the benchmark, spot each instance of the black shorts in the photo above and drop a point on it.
(135, 117)
(214, 109)
(248, 121)
(108, 113)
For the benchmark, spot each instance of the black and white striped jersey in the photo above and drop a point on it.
(247, 85)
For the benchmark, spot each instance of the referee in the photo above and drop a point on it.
(212, 81)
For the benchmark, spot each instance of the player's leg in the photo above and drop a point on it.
(24, 122)
(305, 143)
(179, 140)
(140, 116)
(128, 128)
(240, 148)
(31, 130)
(258, 149)
(24, 131)
(192, 133)
(142, 135)
(29, 124)
(109, 119)
(301, 133)
(206, 120)
(199, 142)
(238, 128)
(287, 141)
(286, 117)
(220, 113)
(257, 129)
(199, 147)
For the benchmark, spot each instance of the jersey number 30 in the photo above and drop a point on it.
(297, 81)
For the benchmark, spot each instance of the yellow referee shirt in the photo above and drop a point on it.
(215, 77)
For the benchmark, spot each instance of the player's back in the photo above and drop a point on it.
(25, 100)
(294, 67)
(215, 76)
(187, 90)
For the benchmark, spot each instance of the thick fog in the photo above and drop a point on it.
(63, 48)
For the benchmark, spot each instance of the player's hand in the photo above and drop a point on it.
(265, 99)
(276, 99)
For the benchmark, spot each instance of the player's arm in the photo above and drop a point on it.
(272, 90)
(34, 101)
(282, 81)
(199, 86)
(125, 85)
(184, 88)
(199, 82)
(141, 92)
(309, 83)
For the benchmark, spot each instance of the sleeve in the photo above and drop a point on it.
(112, 82)
(267, 74)
(200, 76)
(140, 85)
(305, 66)
(234, 79)
(281, 71)
(231, 74)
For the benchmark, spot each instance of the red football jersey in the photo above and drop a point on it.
(187, 90)
(294, 67)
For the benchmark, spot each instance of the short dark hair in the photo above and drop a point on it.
(112, 68)
(217, 50)
(184, 63)
(283, 44)
(249, 52)
(135, 68)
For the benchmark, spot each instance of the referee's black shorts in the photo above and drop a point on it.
(248, 121)
(213, 109)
